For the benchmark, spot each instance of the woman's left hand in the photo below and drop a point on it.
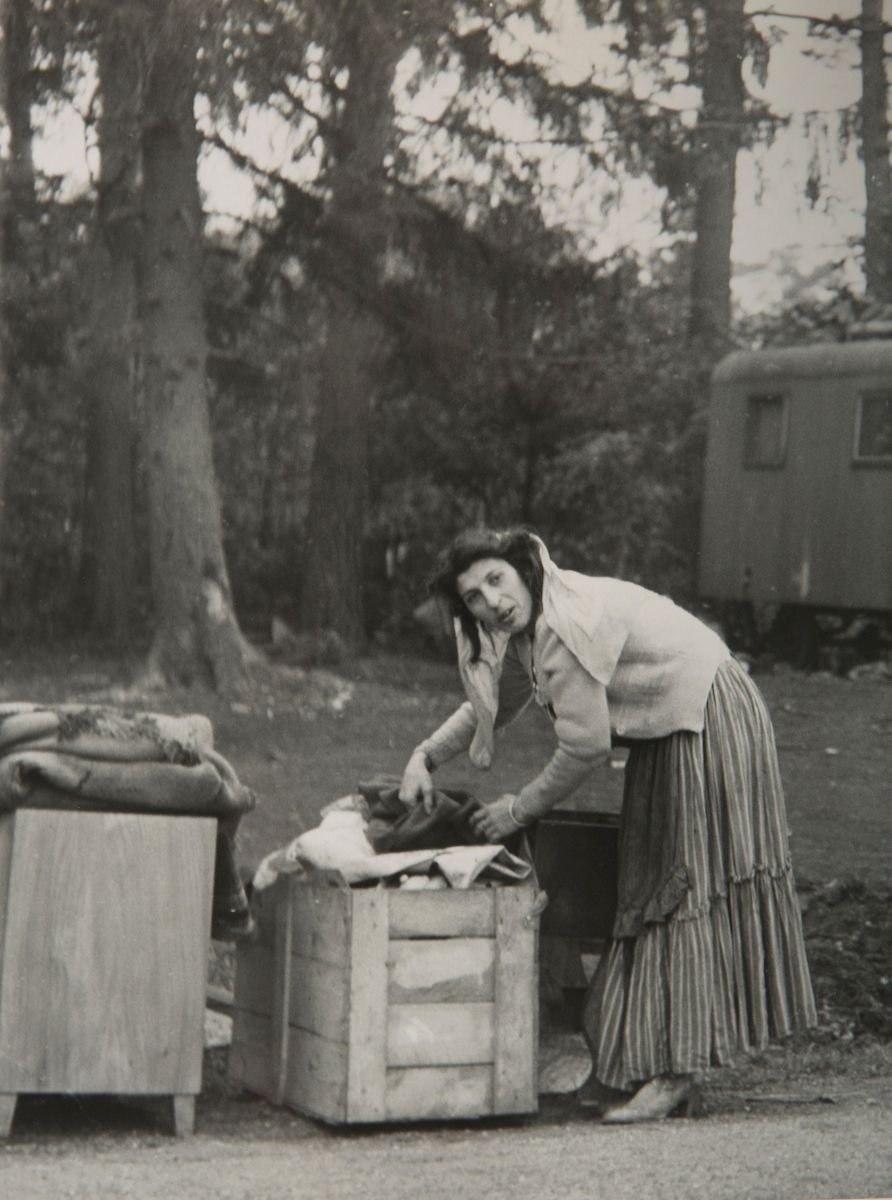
(493, 822)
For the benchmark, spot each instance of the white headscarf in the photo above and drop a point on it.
(575, 607)
(481, 683)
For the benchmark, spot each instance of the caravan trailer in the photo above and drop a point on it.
(797, 504)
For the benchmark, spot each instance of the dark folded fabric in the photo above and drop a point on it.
(393, 826)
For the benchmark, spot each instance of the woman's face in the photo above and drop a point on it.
(495, 595)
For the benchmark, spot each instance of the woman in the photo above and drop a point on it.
(707, 957)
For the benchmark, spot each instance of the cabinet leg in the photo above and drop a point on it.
(183, 1115)
(7, 1111)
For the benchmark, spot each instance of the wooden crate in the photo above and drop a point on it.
(376, 1004)
(104, 931)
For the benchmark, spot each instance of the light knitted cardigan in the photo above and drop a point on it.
(608, 658)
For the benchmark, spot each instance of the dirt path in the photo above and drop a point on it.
(799, 1151)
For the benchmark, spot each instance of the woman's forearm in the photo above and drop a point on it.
(451, 738)
(560, 777)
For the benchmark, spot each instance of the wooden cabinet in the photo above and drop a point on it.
(104, 929)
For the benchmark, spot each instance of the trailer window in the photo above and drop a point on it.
(873, 428)
(765, 441)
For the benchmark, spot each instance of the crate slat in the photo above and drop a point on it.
(424, 1035)
(320, 998)
(422, 970)
(368, 1007)
(316, 1081)
(514, 1073)
(320, 916)
(470, 913)
(282, 975)
(438, 1093)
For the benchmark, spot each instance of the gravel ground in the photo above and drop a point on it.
(803, 1151)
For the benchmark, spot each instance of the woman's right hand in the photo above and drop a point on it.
(417, 783)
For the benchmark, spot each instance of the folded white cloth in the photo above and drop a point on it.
(339, 844)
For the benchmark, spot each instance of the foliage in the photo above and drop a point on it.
(831, 312)
(590, 430)
(528, 376)
(42, 413)
(263, 360)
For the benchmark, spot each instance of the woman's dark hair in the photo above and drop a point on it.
(516, 546)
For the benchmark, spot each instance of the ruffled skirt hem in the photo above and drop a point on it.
(701, 990)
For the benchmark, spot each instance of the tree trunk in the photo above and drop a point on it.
(17, 101)
(196, 633)
(108, 568)
(5, 68)
(875, 152)
(718, 139)
(332, 584)
(17, 208)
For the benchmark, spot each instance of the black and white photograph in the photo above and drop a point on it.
(446, 599)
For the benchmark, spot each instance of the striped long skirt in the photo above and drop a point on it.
(707, 959)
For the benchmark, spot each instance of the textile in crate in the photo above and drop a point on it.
(346, 838)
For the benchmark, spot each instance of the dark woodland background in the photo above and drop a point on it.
(207, 426)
